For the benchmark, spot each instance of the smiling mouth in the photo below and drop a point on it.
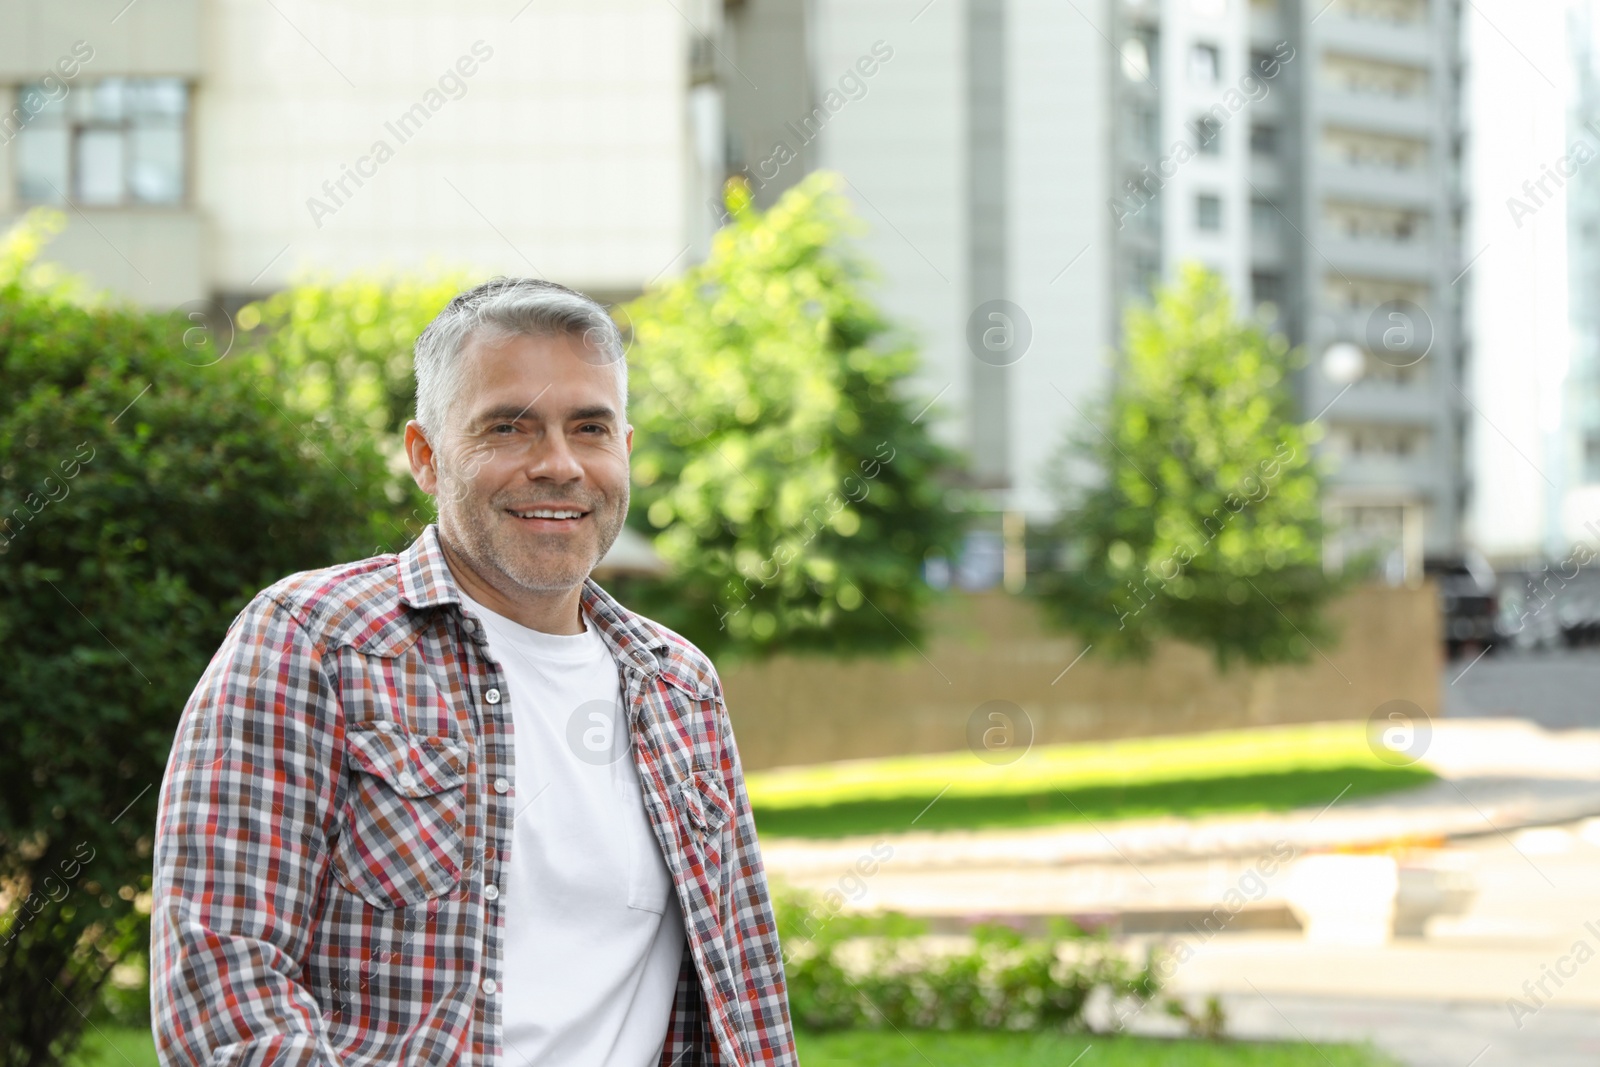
(549, 518)
(559, 519)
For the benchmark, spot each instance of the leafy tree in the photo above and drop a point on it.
(144, 498)
(338, 354)
(778, 464)
(1206, 526)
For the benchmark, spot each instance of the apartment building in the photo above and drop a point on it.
(1577, 457)
(1064, 157)
(206, 148)
(973, 152)
(1324, 184)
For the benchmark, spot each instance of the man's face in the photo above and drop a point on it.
(532, 473)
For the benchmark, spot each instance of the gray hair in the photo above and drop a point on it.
(508, 307)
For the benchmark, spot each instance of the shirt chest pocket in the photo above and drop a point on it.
(402, 839)
(707, 810)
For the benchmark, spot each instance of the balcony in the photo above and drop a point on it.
(1398, 42)
(1266, 28)
(1413, 260)
(1371, 402)
(1417, 472)
(1412, 115)
(1411, 187)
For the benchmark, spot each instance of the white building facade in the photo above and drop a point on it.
(205, 148)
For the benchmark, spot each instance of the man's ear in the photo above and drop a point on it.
(629, 439)
(422, 458)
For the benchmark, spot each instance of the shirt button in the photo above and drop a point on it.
(492, 696)
(489, 986)
(501, 785)
(492, 892)
(407, 779)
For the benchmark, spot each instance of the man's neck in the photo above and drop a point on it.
(557, 612)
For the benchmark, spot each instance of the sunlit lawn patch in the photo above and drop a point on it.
(135, 1048)
(1264, 770)
(919, 1049)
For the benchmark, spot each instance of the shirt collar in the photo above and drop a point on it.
(426, 582)
(425, 578)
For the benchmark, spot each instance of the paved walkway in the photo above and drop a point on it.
(1419, 1033)
(1515, 818)
(1557, 690)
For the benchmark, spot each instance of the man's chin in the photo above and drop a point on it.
(547, 575)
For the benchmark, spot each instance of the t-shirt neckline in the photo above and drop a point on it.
(569, 648)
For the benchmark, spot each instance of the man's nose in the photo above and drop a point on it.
(553, 459)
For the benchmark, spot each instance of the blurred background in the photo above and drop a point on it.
(1136, 464)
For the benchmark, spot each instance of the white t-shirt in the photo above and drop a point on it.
(593, 930)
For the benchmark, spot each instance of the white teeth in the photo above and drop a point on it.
(545, 513)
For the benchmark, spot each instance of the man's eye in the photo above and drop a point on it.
(592, 427)
(504, 427)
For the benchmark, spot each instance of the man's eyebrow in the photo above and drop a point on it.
(512, 413)
(502, 413)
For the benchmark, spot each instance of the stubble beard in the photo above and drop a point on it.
(492, 548)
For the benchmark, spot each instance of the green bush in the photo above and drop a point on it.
(849, 971)
(337, 354)
(779, 463)
(143, 499)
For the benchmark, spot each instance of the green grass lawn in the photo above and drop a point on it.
(918, 1049)
(1268, 769)
(135, 1048)
(109, 1046)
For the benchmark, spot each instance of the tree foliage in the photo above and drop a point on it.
(338, 355)
(144, 497)
(1206, 523)
(342, 347)
(778, 466)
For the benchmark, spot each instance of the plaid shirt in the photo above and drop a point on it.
(339, 797)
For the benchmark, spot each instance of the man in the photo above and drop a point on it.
(459, 806)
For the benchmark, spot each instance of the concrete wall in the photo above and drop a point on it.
(566, 155)
(977, 158)
(152, 37)
(902, 148)
(994, 647)
(1059, 247)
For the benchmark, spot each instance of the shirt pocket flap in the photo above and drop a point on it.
(706, 801)
(413, 766)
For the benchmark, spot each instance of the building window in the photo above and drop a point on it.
(1147, 128)
(1264, 218)
(110, 143)
(1208, 212)
(1264, 139)
(1208, 135)
(1139, 56)
(1144, 273)
(1591, 456)
(1266, 287)
(1205, 64)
